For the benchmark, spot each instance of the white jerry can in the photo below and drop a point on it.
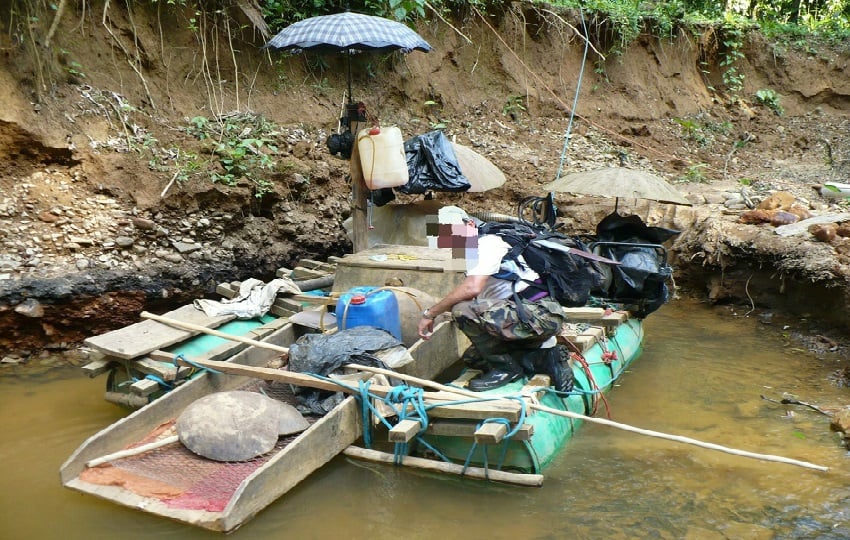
(382, 157)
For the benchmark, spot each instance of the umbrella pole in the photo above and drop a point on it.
(350, 99)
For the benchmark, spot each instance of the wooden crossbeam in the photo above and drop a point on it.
(97, 367)
(405, 430)
(584, 313)
(614, 319)
(596, 332)
(461, 428)
(492, 433)
(144, 387)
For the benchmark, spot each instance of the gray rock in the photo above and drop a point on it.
(124, 241)
(143, 224)
(185, 247)
(30, 308)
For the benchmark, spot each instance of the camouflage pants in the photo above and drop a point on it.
(495, 326)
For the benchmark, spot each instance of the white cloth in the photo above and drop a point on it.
(254, 299)
(491, 250)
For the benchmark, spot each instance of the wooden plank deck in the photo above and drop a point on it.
(143, 337)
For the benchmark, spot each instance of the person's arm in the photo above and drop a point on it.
(468, 289)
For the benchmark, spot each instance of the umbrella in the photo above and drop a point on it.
(482, 174)
(348, 33)
(619, 182)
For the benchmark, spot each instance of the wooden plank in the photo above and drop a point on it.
(166, 372)
(538, 381)
(278, 311)
(317, 300)
(168, 358)
(144, 387)
(289, 304)
(584, 313)
(283, 272)
(474, 411)
(143, 337)
(404, 431)
(97, 367)
(584, 343)
(320, 266)
(596, 332)
(226, 290)
(300, 273)
(462, 428)
(463, 380)
(614, 319)
(161, 356)
(491, 433)
(315, 319)
(531, 480)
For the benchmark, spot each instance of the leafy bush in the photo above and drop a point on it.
(770, 99)
(244, 148)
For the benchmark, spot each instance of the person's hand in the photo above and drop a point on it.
(426, 327)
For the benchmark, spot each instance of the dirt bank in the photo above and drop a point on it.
(97, 221)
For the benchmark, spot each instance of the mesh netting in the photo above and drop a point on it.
(180, 479)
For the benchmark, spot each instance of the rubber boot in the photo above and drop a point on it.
(553, 362)
(503, 370)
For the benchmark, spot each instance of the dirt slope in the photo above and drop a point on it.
(94, 226)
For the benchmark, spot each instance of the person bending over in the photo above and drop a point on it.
(512, 331)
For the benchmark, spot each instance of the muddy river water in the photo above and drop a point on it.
(701, 375)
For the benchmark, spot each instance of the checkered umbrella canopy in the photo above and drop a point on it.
(348, 32)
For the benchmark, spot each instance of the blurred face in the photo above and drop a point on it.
(457, 233)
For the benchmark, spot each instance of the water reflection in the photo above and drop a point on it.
(701, 376)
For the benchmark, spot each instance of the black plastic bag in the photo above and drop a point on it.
(641, 277)
(432, 165)
(323, 354)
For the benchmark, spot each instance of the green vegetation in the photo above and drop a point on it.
(770, 99)
(696, 174)
(243, 148)
(514, 106)
(614, 24)
(701, 130)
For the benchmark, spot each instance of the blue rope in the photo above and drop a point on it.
(159, 381)
(408, 403)
(365, 411)
(575, 99)
(504, 444)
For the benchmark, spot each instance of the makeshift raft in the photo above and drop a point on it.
(476, 436)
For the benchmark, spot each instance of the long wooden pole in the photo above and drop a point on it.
(603, 421)
(522, 479)
(133, 451)
(313, 382)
